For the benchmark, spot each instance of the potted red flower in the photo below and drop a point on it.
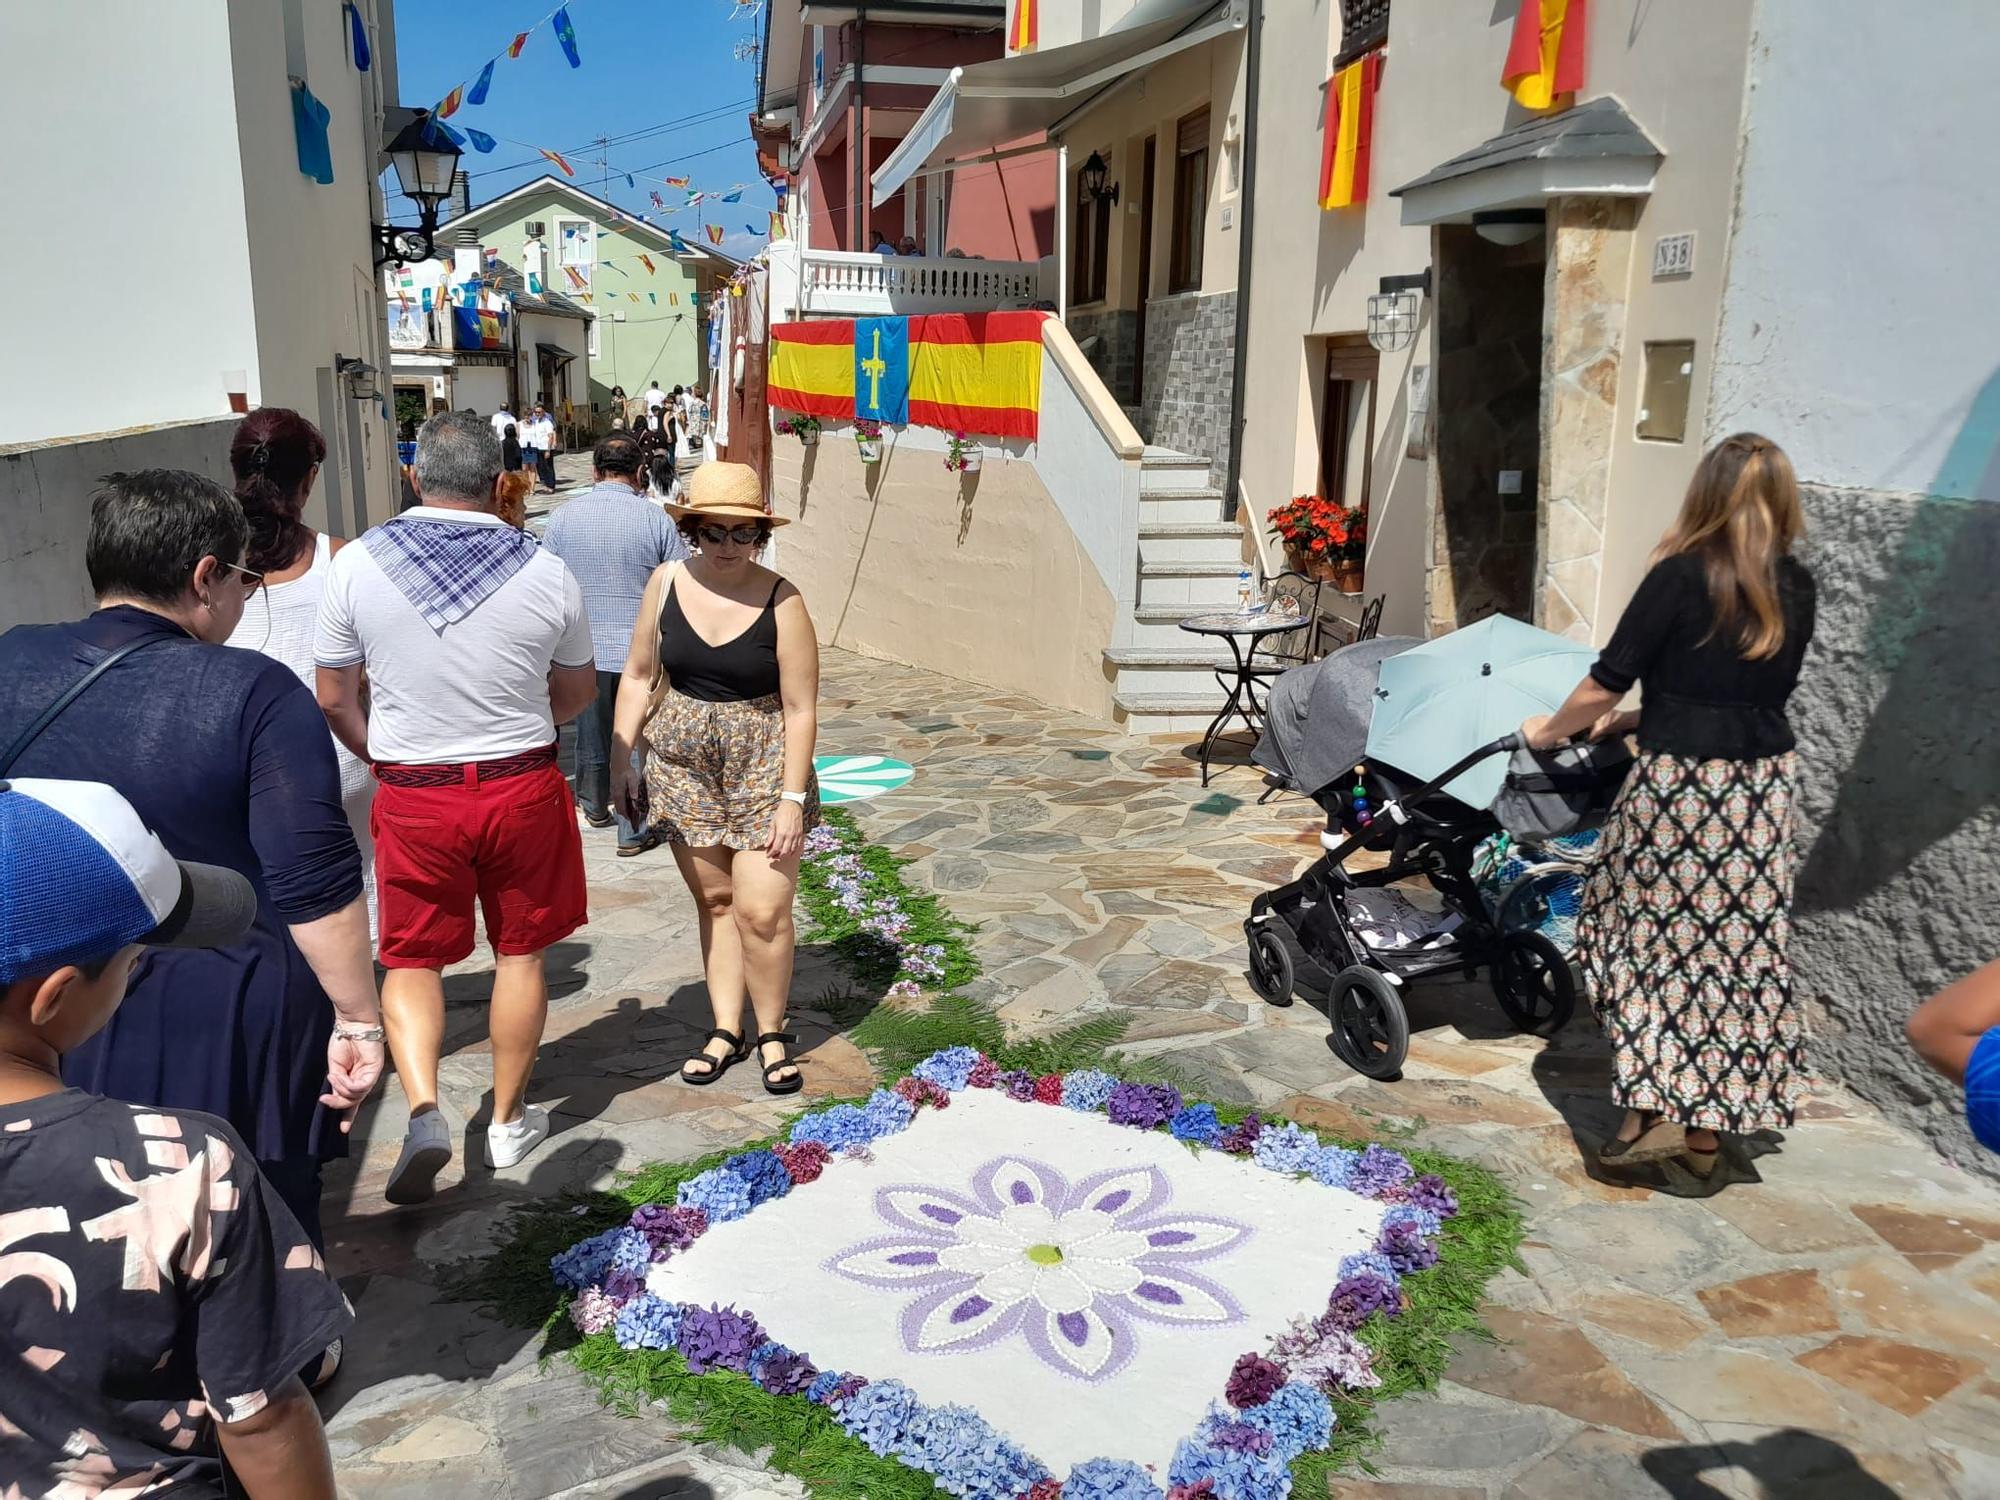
(1323, 539)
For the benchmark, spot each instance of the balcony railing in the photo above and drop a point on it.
(1364, 25)
(838, 283)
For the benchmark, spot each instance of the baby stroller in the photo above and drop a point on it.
(1423, 832)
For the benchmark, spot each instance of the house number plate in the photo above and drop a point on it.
(1673, 255)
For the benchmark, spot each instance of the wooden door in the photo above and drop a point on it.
(1145, 289)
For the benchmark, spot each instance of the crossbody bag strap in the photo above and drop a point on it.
(54, 711)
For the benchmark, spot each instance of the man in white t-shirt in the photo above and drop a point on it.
(655, 398)
(502, 418)
(476, 647)
(538, 446)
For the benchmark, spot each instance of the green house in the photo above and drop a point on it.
(649, 302)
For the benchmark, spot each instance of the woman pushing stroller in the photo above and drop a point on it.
(1685, 917)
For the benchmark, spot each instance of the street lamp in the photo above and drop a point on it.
(425, 158)
(1091, 178)
(1393, 312)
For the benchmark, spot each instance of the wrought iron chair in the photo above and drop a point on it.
(1278, 652)
(1370, 624)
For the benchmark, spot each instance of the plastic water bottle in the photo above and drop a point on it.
(1243, 591)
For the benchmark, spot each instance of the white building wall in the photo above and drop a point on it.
(123, 174)
(1862, 319)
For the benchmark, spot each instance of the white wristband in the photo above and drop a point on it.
(796, 797)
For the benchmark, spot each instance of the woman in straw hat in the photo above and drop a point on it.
(719, 696)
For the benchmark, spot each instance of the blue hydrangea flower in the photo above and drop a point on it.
(585, 1263)
(762, 1173)
(648, 1322)
(1109, 1479)
(1287, 1149)
(1368, 1262)
(944, 1440)
(1087, 1090)
(836, 1129)
(631, 1252)
(1237, 1471)
(1335, 1166)
(1196, 1123)
(1423, 1220)
(949, 1068)
(880, 1414)
(822, 1386)
(887, 1113)
(718, 1192)
(1298, 1418)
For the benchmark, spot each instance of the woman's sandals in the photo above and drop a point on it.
(715, 1066)
(780, 1085)
(1659, 1138)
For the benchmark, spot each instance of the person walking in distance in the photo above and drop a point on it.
(476, 647)
(538, 446)
(502, 419)
(613, 539)
(655, 399)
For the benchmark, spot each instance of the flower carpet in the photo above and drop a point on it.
(1027, 1285)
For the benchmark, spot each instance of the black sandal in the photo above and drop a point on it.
(780, 1086)
(717, 1066)
(1658, 1139)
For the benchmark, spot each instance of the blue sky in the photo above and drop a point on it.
(659, 79)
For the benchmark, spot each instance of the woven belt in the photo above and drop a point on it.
(468, 773)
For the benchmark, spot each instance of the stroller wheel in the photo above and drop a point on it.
(1270, 963)
(1533, 983)
(1371, 1032)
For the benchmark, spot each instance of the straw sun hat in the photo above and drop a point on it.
(726, 491)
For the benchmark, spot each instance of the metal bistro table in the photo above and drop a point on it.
(1238, 627)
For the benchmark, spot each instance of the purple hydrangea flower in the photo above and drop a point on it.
(762, 1173)
(619, 1286)
(719, 1193)
(1241, 1139)
(1359, 1297)
(781, 1371)
(949, 1068)
(879, 1414)
(1087, 1090)
(1197, 1124)
(1109, 1479)
(1252, 1381)
(585, 1262)
(669, 1227)
(1325, 1356)
(1434, 1193)
(1407, 1248)
(1423, 1220)
(1378, 1168)
(648, 1322)
(718, 1338)
(592, 1311)
(1019, 1085)
(1287, 1149)
(1144, 1106)
(846, 1388)
(821, 1389)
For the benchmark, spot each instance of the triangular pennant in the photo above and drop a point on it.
(481, 141)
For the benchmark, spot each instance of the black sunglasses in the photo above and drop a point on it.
(743, 536)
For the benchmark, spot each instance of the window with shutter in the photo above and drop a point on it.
(1190, 208)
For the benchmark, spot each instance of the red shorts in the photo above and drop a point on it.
(511, 845)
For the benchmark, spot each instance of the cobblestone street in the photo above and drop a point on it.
(1824, 1321)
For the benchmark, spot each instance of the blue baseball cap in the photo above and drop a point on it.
(81, 877)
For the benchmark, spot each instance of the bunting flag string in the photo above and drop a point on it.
(558, 20)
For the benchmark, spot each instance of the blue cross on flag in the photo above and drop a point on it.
(882, 369)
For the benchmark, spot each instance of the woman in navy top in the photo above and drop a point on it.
(226, 757)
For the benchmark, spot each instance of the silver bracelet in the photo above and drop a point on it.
(359, 1033)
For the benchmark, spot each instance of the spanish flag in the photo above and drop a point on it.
(1021, 30)
(1349, 133)
(451, 103)
(1545, 57)
(567, 169)
(968, 372)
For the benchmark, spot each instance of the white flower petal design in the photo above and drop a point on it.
(1181, 1297)
(956, 1316)
(1115, 1245)
(1107, 1277)
(1195, 1236)
(1092, 1343)
(1010, 1282)
(975, 1258)
(891, 1262)
(1010, 1180)
(1122, 1190)
(924, 1210)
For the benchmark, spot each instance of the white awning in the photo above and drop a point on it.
(1012, 100)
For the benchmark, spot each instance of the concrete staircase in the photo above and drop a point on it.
(1189, 559)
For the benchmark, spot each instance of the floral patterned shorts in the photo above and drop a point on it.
(714, 771)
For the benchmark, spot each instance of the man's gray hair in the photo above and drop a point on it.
(458, 458)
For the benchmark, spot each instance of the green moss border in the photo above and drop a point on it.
(1411, 1351)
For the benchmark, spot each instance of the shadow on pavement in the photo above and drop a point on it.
(1788, 1465)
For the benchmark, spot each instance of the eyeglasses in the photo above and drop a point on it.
(743, 536)
(255, 581)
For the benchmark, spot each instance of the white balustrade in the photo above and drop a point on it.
(838, 283)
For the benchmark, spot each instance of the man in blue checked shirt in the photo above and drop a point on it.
(612, 537)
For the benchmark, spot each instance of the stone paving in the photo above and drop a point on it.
(1823, 1319)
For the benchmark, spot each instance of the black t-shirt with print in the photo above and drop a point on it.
(149, 1284)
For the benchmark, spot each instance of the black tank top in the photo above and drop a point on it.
(745, 666)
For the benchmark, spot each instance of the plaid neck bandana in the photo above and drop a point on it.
(447, 569)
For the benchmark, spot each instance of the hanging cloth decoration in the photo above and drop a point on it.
(1348, 133)
(565, 35)
(519, 42)
(658, 202)
(449, 106)
(751, 229)
(735, 196)
(647, 261)
(309, 122)
(715, 234)
(674, 182)
(357, 35)
(481, 141)
(449, 133)
(480, 85)
(1545, 57)
(1021, 30)
(777, 225)
(654, 298)
(680, 245)
(567, 169)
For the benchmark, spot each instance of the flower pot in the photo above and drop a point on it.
(809, 439)
(969, 460)
(1305, 562)
(1346, 576)
(871, 449)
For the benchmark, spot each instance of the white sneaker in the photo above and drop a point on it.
(507, 1144)
(426, 1151)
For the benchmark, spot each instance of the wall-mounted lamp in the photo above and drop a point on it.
(1509, 226)
(1091, 178)
(1394, 310)
(359, 375)
(425, 158)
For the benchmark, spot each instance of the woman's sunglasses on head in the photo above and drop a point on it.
(743, 536)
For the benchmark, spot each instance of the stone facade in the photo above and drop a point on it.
(1190, 364)
(1589, 259)
(1109, 338)
(1899, 836)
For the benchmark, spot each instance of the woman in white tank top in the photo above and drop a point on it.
(275, 471)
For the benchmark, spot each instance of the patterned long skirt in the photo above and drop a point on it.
(1682, 937)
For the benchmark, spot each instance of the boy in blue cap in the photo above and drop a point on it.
(156, 1300)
